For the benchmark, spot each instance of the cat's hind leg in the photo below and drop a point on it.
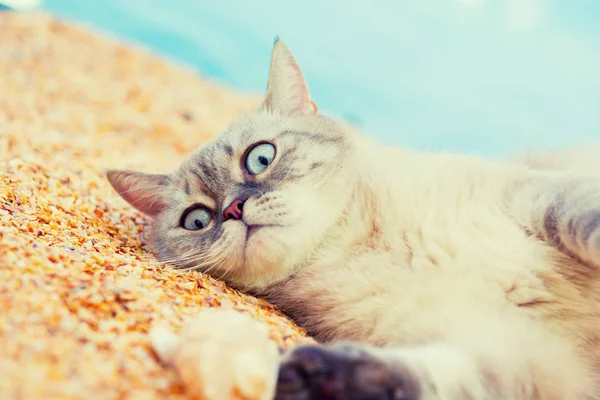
(564, 211)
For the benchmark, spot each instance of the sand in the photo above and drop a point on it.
(78, 290)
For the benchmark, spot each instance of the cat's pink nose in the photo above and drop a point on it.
(234, 210)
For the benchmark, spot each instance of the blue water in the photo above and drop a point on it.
(486, 77)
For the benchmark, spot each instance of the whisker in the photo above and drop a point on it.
(182, 257)
(178, 259)
(215, 263)
(216, 256)
(226, 271)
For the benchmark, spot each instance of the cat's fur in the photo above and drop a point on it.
(461, 278)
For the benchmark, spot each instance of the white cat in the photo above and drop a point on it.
(447, 276)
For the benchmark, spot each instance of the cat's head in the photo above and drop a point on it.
(254, 204)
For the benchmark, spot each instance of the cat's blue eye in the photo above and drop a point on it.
(196, 219)
(259, 158)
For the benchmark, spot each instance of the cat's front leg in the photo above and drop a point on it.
(565, 211)
(344, 371)
(353, 371)
(220, 354)
(504, 359)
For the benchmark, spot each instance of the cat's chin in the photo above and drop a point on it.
(258, 238)
(259, 254)
(265, 252)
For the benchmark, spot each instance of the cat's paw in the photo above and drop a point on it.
(342, 372)
(221, 354)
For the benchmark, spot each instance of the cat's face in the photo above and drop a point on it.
(254, 204)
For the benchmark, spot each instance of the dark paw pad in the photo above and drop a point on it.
(314, 372)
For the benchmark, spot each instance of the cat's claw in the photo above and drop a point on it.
(316, 372)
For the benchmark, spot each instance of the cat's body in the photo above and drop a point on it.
(452, 217)
(449, 251)
(464, 278)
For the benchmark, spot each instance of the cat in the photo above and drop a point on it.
(423, 275)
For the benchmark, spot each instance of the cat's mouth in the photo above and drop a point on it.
(252, 229)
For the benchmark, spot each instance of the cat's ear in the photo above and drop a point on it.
(287, 92)
(142, 191)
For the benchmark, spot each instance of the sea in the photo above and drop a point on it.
(486, 77)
